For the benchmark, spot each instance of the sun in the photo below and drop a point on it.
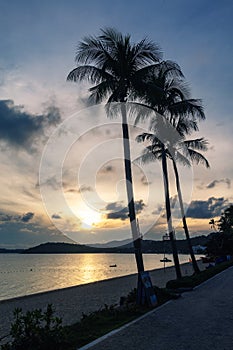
(89, 217)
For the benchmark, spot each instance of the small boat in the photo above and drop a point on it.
(115, 265)
(165, 260)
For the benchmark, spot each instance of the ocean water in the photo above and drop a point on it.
(28, 274)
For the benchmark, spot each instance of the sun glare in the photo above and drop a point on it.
(89, 217)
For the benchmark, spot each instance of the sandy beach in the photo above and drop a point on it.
(71, 302)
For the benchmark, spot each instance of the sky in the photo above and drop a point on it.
(62, 175)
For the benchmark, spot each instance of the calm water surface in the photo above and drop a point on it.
(28, 274)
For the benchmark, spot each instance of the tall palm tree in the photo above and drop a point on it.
(196, 157)
(158, 151)
(166, 93)
(116, 67)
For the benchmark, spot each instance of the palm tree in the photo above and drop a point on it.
(197, 157)
(166, 93)
(157, 151)
(116, 67)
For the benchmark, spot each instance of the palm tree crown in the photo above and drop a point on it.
(113, 64)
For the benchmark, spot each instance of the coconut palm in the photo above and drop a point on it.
(158, 151)
(168, 96)
(116, 67)
(193, 146)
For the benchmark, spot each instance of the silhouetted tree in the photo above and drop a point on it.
(117, 67)
(167, 94)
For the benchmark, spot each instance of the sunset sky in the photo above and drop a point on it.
(62, 163)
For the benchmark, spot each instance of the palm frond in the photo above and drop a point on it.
(197, 144)
(99, 92)
(191, 107)
(171, 68)
(146, 137)
(181, 158)
(90, 50)
(89, 73)
(146, 52)
(184, 125)
(197, 158)
(140, 111)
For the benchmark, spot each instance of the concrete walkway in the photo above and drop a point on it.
(199, 320)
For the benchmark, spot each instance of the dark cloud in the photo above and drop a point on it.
(215, 182)
(118, 211)
(21, 129)
(21, 235)
(145, 181)
(107, 169)
(56, 216)
(5, 217)
(85, 188)
(51, 182)
(27, 217)
(207, 209)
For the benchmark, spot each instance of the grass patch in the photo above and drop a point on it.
(100, 322)
(196, 279)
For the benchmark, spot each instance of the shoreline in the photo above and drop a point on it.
(70, 303)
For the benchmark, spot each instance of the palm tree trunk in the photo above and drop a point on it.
(185, 226)
(168, 212)
(131, 205)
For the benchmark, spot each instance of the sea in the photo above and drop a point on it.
(22, 274)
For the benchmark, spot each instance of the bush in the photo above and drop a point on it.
(36, 330)
(196, 279)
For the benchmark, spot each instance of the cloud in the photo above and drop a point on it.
(21, 129)
(215, 182)
(118, 211)
(6, 217)
(107, 169)
(56, 216)
(22, 235)
(51, 182)
(145, 181)
(27, 217)
(85, 188)
(207, 209)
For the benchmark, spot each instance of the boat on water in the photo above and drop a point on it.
(165, 259)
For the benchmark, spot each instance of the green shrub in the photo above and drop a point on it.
(36, 330)
(196, 279)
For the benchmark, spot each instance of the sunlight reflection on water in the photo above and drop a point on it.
(28, 274)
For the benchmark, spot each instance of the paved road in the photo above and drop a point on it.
(199, 320)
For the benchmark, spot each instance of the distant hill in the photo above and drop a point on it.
(111, 244)
(61, 248)
(148, 246)
(10, 251)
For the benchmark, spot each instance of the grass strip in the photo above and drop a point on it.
(196, 279)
